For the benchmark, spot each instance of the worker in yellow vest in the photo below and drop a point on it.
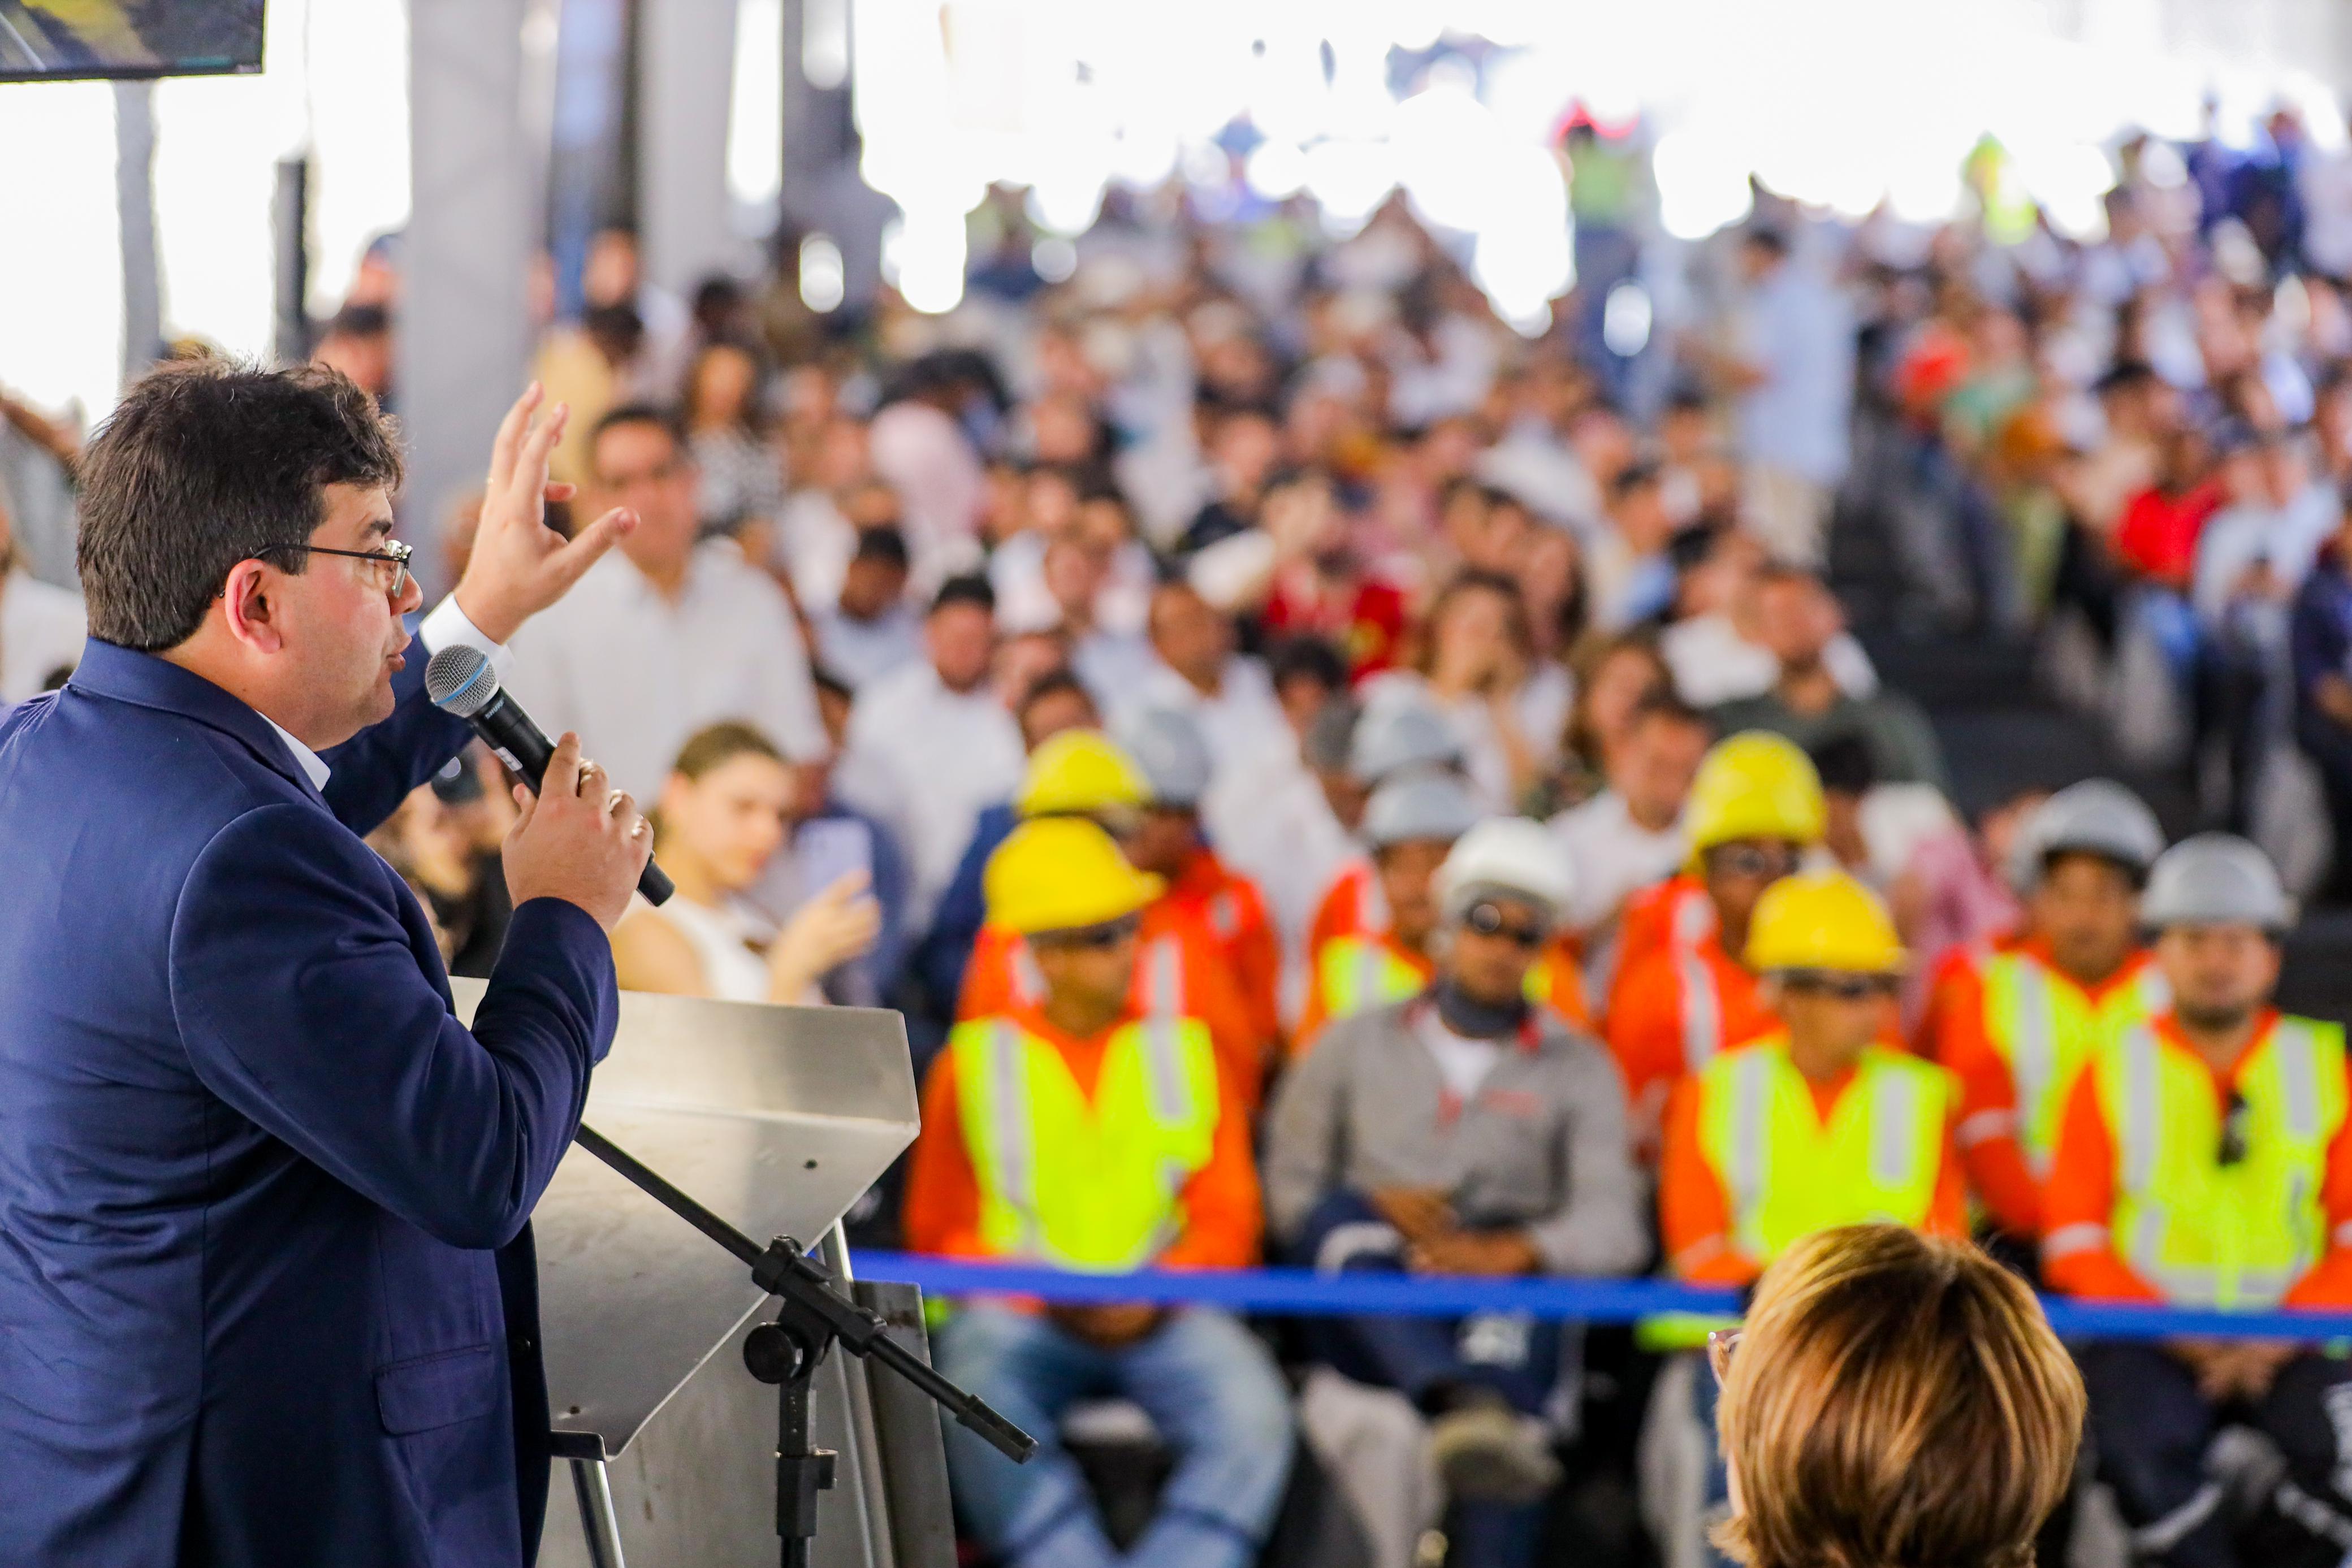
(2205, 1160)
(2016, 1022)
(1411, 823)
(1074, 1131)
(1821, 1122)
(1818, 1123)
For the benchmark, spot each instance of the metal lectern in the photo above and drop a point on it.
(777, 1119)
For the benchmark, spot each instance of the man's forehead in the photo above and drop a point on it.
(356, 511)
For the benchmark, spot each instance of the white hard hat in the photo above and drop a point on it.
(1426, 803)
(2097, 816)
(2215, 879)
(1508, 856)
(1167, 745)
(1399, 733)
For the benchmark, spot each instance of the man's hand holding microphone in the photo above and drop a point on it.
(578, 838)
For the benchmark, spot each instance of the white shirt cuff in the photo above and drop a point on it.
(449, 626)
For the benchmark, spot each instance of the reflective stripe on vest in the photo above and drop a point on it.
(1159, 977)
(1028, 979)
(1702, 1011)
(1225, 919)
(1358, 973)
(1786, 1175)
(2209, 1235)
(2044, 1029)
(1085, 1185)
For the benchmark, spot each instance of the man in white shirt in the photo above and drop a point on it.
(664, 636)
(930, 743)
(1198, 672)
(1630, 835)
(41, 626)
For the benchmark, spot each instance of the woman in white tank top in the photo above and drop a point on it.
(725, 813)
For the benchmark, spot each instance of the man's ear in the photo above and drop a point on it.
(250, 613)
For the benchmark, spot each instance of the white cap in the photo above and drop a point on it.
(2215, 879)
(1510, 857)
(1426, 803)
(1167, 745)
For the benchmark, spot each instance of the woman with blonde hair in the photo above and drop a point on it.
(1893, 1401)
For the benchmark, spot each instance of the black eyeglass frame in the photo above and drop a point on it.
(395, 554)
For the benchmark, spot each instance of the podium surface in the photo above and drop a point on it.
(777, 1118)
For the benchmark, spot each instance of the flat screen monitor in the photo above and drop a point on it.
(56, 40)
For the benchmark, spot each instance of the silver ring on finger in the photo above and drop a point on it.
(613, 801)
(638, 829)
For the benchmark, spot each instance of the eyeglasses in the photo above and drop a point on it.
(394, 555)
(1845, 988)
(1753, 860)
(1096, 939)
(2234, 1120)
(1720, 1343)
(1487, 920)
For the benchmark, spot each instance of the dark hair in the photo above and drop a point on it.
(970, 589)
(361, 322)
(1640, 474)
(827, 683)
(723, 742)
(1845, 764)
(886, 545)
(651, 413)
(747, 418)
(1664, 704)
(1307, 658)
(1061, 682)
(208, 462)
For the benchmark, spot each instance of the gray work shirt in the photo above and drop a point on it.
(1541, 1144)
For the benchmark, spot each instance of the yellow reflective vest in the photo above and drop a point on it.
(1356, 974)
(1785, 1174)
(1086, 1185)
(2202, 1232)
(2045, 1027)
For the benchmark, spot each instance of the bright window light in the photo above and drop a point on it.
(755, 114)
(61, 337)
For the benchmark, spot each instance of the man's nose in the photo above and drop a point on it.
(410, 596)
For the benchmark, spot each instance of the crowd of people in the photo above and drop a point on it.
(1329, 780)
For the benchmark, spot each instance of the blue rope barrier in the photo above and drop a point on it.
(1297, 1292)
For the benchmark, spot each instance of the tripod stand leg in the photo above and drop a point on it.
(599, 1526)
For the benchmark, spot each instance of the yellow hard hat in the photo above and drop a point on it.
(1822, 920)
(1755, 785)
(1062, 874)
(1079, 772)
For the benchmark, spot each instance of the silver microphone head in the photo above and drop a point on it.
(460, 681)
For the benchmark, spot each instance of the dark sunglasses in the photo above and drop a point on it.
(1488, 920)
(1845, 988)
(1095, 938)
(1753, 860)
(2235, 1120)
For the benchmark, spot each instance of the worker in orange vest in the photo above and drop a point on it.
(1754, 809)
(1168, 746)
(1181, 971)
(2016, 1023)
(1410, 823)
(1393, 737)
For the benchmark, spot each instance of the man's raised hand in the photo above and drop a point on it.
(519, 565)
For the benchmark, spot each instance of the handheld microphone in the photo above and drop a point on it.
(460, 681)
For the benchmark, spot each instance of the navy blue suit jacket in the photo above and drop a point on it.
(266, 1286)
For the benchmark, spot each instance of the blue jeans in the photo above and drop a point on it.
(1207, 1384)
(1420, 1355)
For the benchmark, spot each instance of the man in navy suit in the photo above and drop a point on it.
(266, 1283)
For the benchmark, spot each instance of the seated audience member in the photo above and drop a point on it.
(2320, 638)
(1822, 1120)
(2205, 1162)
(1069, 1131)
(1182, 969)
(1630, 836)
(1055, 702)
(1476, 666)
(726, 812)
(2016, 1024)
(932, 743)
(1798, 620)
(1198, 671)
(1893, 1397)
(871, 630)
(1170, 750)
(446, 842)
(1612, 676)
(1682, 991)
(1633, 579)
(742, 480)
(1464, 1132)
(41, 625)
(1410, 824)
(1397, 736)
(1821, 1123)
(664, 636)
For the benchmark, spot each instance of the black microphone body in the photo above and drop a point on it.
(524, 747)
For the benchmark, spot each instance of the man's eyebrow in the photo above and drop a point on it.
(379, 528)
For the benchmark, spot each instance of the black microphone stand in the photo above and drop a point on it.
(786, 1351)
